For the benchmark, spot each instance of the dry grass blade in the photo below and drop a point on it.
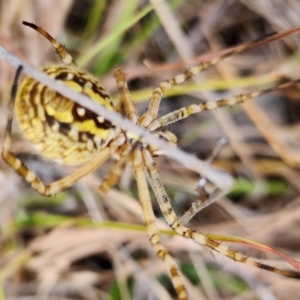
(83, 245)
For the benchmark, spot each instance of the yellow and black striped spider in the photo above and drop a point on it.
(70, 134)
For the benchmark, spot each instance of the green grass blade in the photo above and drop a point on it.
(91, 53)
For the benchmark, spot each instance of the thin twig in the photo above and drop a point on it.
(222, 180)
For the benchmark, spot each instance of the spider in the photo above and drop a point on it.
(70, 134)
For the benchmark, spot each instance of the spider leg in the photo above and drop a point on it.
(11, 105)
(151, 227)
(158, 92)
(113, 177)
(60, 49)
(173, 222)
(185, 112)
(205, 199)
(56, 186)
(201, 203)
(125, 100)
(128, 108)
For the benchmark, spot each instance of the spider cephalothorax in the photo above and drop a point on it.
(71, 134)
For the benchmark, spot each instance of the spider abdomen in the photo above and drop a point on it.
(59, 128)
